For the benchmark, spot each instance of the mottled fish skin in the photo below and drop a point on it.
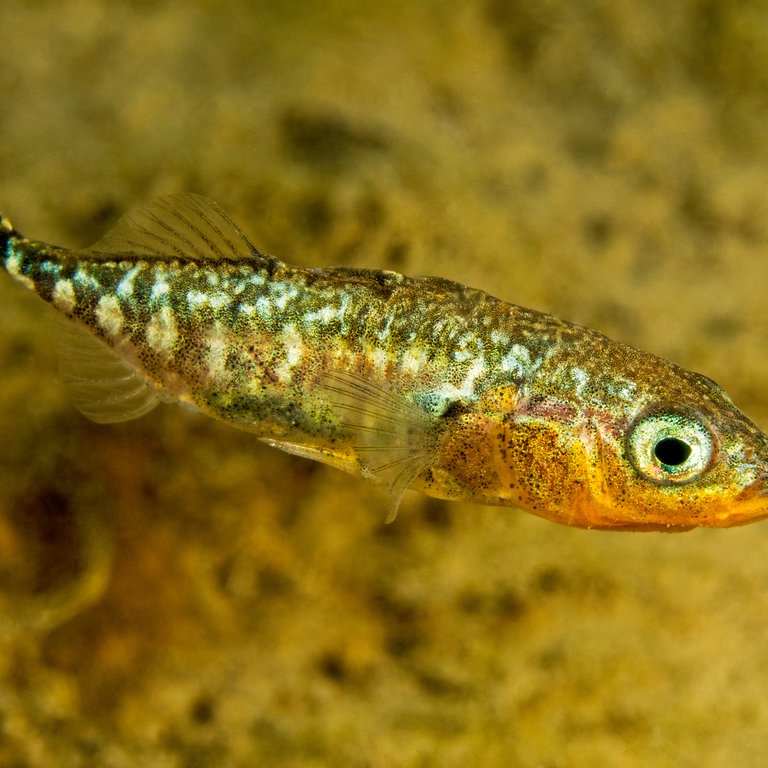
(411, 382)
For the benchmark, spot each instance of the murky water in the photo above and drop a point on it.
(172, 592)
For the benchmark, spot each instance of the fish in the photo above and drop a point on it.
(410, 382)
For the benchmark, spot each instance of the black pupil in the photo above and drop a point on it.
(672, 452)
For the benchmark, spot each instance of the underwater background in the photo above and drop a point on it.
(175, 593)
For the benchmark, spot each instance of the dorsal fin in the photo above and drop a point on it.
(187, 227)
(101, 385)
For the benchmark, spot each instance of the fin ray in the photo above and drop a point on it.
(394, 439)
(387, 439)
(100, 384)
(184, 227)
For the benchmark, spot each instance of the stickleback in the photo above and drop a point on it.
(418, 383)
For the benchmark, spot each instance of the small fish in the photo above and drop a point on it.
(409, 382)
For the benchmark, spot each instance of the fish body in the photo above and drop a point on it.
(410, 382)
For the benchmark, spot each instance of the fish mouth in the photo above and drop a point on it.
(756, 490)
(749, 506)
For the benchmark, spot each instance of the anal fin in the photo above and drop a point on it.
(101, 385)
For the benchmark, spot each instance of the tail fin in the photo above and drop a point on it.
(10, 254)
(6, 233)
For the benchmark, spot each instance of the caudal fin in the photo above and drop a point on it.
(6, 233)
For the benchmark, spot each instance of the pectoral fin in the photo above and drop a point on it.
(393, 438)
(381, 436)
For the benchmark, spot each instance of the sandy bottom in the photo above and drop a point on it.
(173, 593)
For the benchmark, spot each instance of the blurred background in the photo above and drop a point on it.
(174, 593)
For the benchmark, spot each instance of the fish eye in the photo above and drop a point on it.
(670, 447)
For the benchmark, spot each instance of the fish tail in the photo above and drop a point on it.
(15, 253)
(33, 264)
(7, 233)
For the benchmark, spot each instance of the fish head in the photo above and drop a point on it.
(680, 457)
(674, 455)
